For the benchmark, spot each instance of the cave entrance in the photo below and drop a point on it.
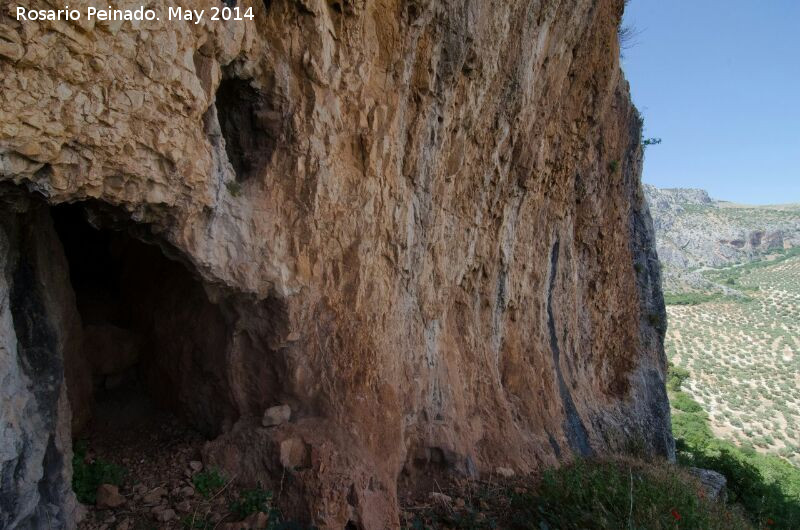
(151, 345)
(121, 345)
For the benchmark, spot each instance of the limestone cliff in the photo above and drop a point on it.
(418, 223)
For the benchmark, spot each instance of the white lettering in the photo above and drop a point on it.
(176, 13)
(47, 14)
(121, 14)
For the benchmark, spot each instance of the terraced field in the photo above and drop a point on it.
(743, 354)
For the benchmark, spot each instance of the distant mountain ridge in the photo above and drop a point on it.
(674, 197)
(694, 230)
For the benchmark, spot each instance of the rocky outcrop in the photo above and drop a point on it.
(693, 230)
(675, 198)
(418, 224)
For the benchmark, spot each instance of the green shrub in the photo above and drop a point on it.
(692, 299)
(689, 298)
(250, 502)
(88, 476)
(683, 402)
(208, 482)
(676, 375)
(655, 320)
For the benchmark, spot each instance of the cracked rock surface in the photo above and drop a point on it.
(418, 224)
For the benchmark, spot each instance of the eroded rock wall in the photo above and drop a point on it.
(39, 328)
(424, 219)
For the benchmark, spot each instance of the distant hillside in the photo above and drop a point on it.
(694, 231)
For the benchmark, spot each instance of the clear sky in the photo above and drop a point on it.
(719, 82)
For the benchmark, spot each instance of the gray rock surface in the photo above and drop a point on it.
(36, 332)
(714, 483)
(694, 231)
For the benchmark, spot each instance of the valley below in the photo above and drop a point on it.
(732, 289)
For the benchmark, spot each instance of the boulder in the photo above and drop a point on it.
(714, 484)
(277, 415)
(108, 496)
(163, 514)
(294, 453)
(154, 496)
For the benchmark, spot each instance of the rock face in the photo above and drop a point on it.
(39, 332)
(418, 224)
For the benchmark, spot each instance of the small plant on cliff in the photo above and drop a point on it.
(650, 141)
(87, 474)
(208, 482)
(613, 166)
(655, 320)
(626, 35)
(234, 188)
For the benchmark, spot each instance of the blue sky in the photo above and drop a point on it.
(719, 82)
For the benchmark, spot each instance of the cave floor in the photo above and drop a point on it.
(158, 454)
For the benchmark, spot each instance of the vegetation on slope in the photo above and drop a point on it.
(763, 491)
(693, 298)
(586, 494)
(766, 486)
(732, 275)
(621, 494)
(744, 354)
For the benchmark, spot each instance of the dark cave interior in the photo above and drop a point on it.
(151, 339)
